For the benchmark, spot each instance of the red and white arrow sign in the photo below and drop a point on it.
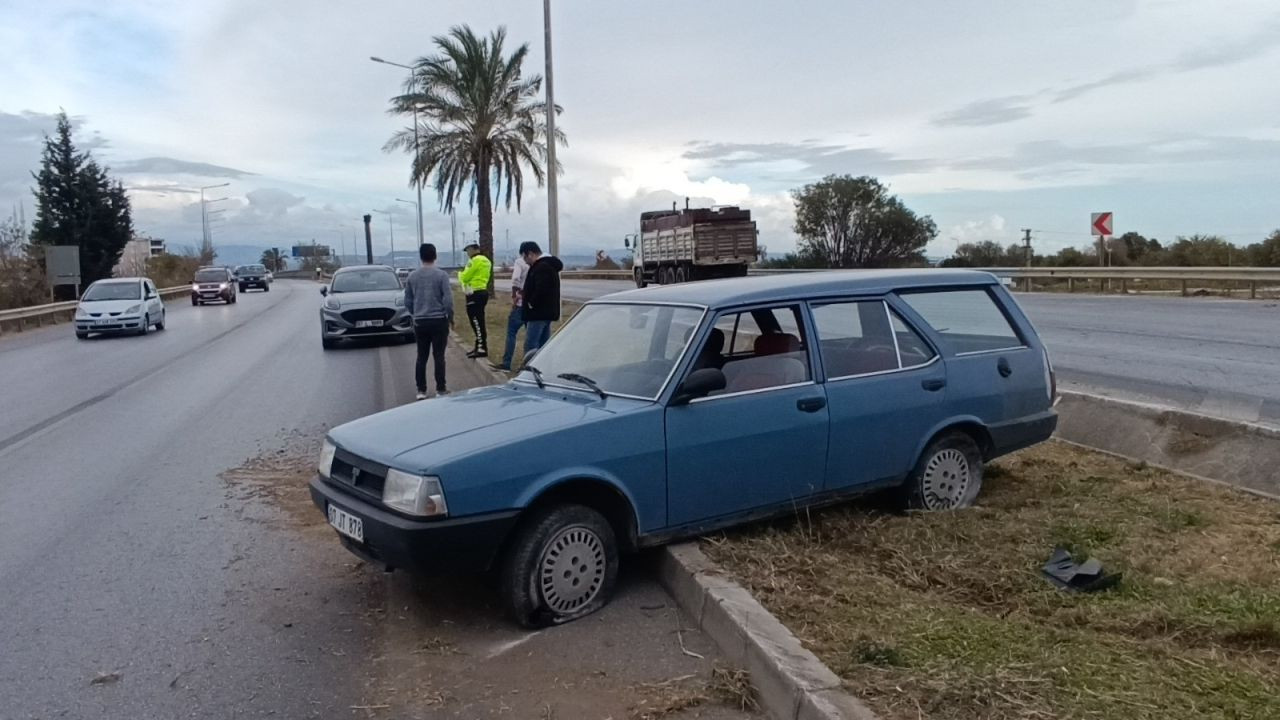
(1100, 223)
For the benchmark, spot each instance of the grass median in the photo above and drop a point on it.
(946, 616)
(496, 313)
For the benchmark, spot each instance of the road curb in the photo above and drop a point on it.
(791, 682)
(1241, 454)
(481, 363)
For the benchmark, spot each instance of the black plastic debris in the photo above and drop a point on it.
(1087, 576)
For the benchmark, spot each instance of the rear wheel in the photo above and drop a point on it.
(562, 565)
(682, 274)
(948, 475)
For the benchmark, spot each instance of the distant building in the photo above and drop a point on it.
(133, 260)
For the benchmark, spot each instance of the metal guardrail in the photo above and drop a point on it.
(19, 317)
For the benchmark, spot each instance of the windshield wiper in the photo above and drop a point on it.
(575, 377)
(537, 375)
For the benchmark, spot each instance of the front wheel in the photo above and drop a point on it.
(146, 325)
(160, 325)
(948, 475)
(194, 302)
(327, 343)
(266, 288)
(640, 281)
(562, 565)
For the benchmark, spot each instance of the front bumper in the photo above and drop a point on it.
(115, 324)
(333, 325)
(429, 547)
(252, 283)
(212, 295)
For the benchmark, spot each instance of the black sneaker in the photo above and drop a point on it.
(500, 366)
(477, 354)
(441, 393)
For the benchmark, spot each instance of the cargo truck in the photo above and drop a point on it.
(675, 246)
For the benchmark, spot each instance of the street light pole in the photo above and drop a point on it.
(553, 210)
(416, 180)
(204, 219)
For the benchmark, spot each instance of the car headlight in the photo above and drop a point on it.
(223, 286)
(332, 304)
(81, 312)
(133, 309)
(399, 301)
(326, 458)
(414, 494)
(195, 286)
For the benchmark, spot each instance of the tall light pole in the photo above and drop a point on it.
(204, 219)
(391, 225)
(553, 209)
(416, 180)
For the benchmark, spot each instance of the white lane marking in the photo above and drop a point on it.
(510, 645)
(388, 382)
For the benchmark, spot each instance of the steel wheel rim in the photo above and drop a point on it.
(572, 569)
(946, 480)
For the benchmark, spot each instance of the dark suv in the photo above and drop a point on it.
(211, 284)
(253, 276)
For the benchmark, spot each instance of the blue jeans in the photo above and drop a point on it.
(536, 334)
(514, 321)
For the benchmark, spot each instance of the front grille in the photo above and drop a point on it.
(359, 314)
(362, 475)
(210, 287)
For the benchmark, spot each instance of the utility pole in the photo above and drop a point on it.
(1026, 244)
(553, 209)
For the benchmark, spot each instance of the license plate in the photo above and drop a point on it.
(368, 323)
(346, 523)
(103, 322)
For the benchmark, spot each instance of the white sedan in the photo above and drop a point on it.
(119, 305)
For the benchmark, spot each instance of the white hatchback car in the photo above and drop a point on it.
(119, 305)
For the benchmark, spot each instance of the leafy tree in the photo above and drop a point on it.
(851, 222)
(1202, 250)
(480, 124)
(1072, 257)
(171, 270)
(77, 203)
(1265, 253)
(986, 253)
(274, 260)
(21, 276)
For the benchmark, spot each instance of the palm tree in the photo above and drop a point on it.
(274, 260)
(480, 124)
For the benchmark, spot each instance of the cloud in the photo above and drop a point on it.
(21, 142)
(173, 166)
(1041, 158)
(982, 113)
(804, 159)
(271, 202)
(161, 188)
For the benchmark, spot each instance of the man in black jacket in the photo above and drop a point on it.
(541, 304)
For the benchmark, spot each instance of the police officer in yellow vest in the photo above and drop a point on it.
(474, 279)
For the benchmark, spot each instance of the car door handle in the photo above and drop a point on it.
(1002, 366)
(933, 385)
(813, 404)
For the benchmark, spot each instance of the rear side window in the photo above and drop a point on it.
(969, 320)
(863, 337)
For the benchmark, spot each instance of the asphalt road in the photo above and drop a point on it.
(1211, 355)
(159, 557)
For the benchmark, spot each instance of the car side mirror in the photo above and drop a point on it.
(324, 290)
(152, 296)
(626, 242)
(699, 384)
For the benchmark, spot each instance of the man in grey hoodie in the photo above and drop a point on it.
(429, 299)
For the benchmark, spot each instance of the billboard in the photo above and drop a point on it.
(62, 265)
(306, 251)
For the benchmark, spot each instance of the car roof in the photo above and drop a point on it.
(765, 288)
(109, 281)
(353, 268)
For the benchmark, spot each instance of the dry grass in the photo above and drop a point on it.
(945, 615)
(728, 687)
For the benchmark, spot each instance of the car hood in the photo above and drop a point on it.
(422, 436)
(108, 306)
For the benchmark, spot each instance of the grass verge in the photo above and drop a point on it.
(945, 615)
(496, 314)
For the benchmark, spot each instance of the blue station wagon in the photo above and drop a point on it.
(667, 412)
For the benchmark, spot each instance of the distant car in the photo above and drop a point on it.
(253, 276)
(670, 412)
(119, 305)
(363, 301)
(212, 284)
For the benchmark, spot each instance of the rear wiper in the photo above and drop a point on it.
(537, 375)
(575, 377)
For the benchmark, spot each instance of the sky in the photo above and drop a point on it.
(988, 116)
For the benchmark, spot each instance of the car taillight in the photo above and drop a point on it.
(1050, 377)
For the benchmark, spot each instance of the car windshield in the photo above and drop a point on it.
(206, 276)
(625, 349)
(112, 291)
(364, 281)
(251, 270)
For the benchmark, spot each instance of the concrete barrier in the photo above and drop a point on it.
(1232, 452)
